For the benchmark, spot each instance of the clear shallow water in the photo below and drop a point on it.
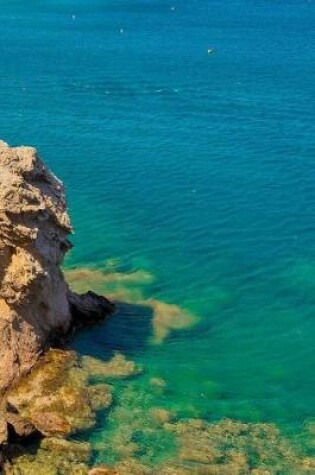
(195, 168)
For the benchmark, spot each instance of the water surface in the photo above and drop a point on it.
(194, 168)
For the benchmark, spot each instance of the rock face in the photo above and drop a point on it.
(34, 226)
(36, 306)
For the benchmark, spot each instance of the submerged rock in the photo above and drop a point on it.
(55, 398)
(74, 451)
(100, 396)
(52, 457)
(168, 317)
(117, 368)
(128, 288)
(89, 308)
(235, 448)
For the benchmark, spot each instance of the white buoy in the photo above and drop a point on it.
(121, 31)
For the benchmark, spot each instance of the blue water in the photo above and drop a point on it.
(196, 168)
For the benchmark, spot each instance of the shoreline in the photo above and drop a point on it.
(55, 396)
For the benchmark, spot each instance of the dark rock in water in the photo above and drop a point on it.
(89, 308)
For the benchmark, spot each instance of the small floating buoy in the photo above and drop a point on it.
(73, 17)
(121, 30)
(210, 50)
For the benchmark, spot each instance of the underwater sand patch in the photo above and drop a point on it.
(56, 397)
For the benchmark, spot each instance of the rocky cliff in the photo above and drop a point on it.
(36, 306)
(34, 226)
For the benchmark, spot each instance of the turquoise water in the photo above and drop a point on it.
(196, 168)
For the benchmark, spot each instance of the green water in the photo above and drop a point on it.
(241, 375)
(193, 174)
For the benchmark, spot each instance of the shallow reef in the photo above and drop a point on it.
(55, 399)
(225, 448)
(58, 401)
(83, 415)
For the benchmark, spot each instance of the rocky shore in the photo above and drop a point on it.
(50, 396)
(42, 390)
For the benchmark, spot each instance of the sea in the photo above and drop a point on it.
(184, 133)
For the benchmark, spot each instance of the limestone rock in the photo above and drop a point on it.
(37, 309)
(21, 426)
(3, 429)
(34, 226)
